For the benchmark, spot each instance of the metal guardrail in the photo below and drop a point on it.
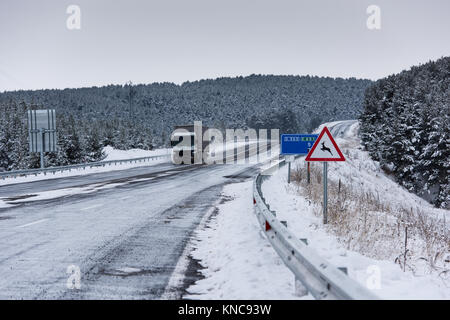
(27, 172)
(319, 277)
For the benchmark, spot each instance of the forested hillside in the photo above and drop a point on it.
(405, 126)
(143, 116)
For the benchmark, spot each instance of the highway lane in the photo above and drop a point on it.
(126, 239)
(15, 189)
(340, 129)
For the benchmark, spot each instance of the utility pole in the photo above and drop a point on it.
(131, 94)
(42, 132)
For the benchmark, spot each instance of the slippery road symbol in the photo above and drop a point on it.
(324, 148)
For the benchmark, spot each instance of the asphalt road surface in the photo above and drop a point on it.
(124, 230)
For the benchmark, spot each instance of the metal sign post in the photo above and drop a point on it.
(325, 149)
(289, 172)
(289, 159)
(325, 192)
(308, 173)
(43, 147)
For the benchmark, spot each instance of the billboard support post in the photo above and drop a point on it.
(43, 147)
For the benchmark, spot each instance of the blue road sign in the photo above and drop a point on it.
(297, 143)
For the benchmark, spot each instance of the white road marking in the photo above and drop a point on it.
(31, 223)
(164, 174)
(128, 270)
(171, 291)
(4, 204)
(92, 207)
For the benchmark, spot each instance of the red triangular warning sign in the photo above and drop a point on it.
(325, 148)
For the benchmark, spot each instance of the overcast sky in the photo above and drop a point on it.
(180, 40)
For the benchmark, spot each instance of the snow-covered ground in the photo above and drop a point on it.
(373, 252)
(115, 154)
(360, 170)
(302, 220)
(240, 264)
(111, 154)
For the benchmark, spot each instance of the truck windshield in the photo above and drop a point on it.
(177, 139)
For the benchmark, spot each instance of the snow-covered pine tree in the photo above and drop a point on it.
(71, 144)
(93, 149)
(405, 125)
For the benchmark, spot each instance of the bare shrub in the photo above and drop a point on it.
(367, 224)
(297, 175)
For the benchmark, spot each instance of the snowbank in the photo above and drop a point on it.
(240, 263)
(115, 154)
(302, 221)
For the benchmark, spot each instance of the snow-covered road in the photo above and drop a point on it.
(125, 230)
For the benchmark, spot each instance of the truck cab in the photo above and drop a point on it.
(182, 143)
(186, 145)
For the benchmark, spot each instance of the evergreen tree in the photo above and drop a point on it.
(405, 126)
(93, 148)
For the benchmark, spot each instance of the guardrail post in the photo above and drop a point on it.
(300, 289)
